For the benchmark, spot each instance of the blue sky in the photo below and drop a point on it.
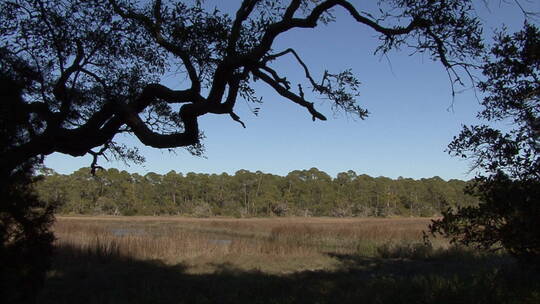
(413, 116)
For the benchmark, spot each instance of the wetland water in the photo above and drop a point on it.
(131, 231)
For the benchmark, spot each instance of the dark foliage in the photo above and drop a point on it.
(25, 238)
(509, 159)
(97, 64)
(507, 217)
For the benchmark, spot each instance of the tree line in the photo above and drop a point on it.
(300, 193)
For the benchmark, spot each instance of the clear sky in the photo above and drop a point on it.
(413, 116)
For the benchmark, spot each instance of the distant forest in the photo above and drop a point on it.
(300, 193)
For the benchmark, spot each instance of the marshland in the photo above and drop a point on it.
(145, 259)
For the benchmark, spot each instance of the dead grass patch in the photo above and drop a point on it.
(276, 245)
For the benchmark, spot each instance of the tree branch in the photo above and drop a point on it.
(155, 31)
(190, 136)
(60, 90)
(241, 15)
(304, 66)
(289, 95)
(291, 9)
(310, 21)
(94, 166)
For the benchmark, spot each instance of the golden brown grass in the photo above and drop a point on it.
(281, 260)
(273, 245)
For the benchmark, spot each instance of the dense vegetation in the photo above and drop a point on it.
(301, 192)
(25, 238)
(506, 149)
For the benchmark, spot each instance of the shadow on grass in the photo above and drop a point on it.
(99, 276)
(416, 259)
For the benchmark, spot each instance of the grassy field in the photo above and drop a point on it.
(273, 260)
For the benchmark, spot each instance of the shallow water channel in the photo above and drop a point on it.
(216, 239)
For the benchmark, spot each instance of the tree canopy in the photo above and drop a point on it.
(90, 70)
(246, 194)
(507, 155)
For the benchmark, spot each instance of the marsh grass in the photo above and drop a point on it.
(290, 260)
(274, 242)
